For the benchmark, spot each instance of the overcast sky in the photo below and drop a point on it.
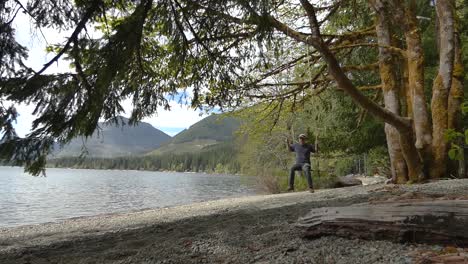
(170, 122)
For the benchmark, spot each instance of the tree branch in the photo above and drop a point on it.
(29, 14)
(345, 83)
(367, 67)
(313, 23)
(370, 87)
(390, 48)
(219, 13)
(74, 35)
(192, 30)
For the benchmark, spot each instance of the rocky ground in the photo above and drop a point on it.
(257, 229)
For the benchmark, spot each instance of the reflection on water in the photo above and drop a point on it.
(66, 193)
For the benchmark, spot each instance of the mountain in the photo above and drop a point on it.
(115, 141)
(212, 130)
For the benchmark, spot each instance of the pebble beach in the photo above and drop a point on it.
(254, 229)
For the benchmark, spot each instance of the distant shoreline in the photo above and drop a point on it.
(188, 172)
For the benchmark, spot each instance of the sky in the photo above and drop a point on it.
(170, 122)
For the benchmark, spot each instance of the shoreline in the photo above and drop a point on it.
(214, 230)
(162, 171)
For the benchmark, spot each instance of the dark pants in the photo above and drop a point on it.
(305, 167)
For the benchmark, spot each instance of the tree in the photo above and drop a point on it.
(236, 53)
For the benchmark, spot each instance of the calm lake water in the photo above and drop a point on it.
(67, 193)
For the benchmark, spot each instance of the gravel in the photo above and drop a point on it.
(255, 229)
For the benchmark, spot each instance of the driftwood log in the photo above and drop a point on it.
(347, 181)
(433, 222)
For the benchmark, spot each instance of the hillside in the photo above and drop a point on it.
(211, 130)
(115, 141)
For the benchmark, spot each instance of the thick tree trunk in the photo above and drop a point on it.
(390, 92)
(441, 88)
(412, 158)
(397, 159)
(408, 97)
(432, 222)
(415, 58)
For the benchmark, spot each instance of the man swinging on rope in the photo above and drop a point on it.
(303, 151)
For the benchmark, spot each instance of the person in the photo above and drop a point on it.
(303, 150)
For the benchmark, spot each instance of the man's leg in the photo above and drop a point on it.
(292, 173)
(306, 168)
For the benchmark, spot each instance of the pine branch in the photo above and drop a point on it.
(81, 25)
(29, 14)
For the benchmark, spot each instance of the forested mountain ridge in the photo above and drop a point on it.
(216, 127)
(211, 130)
(116, 140)
(206, 146)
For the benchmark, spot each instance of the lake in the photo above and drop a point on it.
(67, 193)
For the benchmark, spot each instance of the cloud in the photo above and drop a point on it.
(178, 117)
(173, 121)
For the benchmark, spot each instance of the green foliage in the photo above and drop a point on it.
(331, 117)
(464, 108)
(378, 161)
(343, 166)
(452, 135)
(457, 139)
(456, 152)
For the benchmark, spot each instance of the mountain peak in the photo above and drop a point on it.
(117, 139)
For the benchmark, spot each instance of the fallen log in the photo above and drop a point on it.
(432, 222)
(347, 181)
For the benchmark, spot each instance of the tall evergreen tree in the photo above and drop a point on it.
(235, 53)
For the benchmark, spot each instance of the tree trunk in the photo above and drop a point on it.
(412, 158)
(441, 88)
(415, 60)
(419, 221)
(415, 69)
(390, 92)
(408, 97)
